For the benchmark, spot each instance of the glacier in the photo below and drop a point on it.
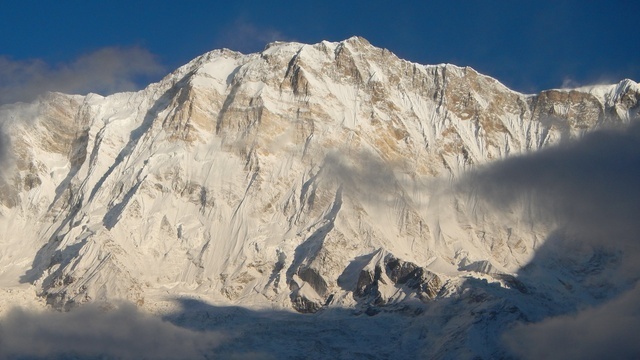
(306, 186)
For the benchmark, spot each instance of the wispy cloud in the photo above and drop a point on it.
(602, 79)
(361, 173)
(92, 331)
(590, 186)
(569, 83)
(104, 71)
(246, 37)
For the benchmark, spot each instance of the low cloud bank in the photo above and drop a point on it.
(91, 331)
(609, 331)
(590, 191)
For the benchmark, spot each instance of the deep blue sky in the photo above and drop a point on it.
(527, 45)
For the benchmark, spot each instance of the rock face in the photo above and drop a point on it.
(304, 176)
(384, 271)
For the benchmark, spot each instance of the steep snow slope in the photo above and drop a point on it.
(304, 177)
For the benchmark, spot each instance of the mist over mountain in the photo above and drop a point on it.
(385, 208)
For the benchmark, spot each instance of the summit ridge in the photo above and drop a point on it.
(303, 177)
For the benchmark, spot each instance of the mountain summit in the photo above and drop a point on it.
(304, 177)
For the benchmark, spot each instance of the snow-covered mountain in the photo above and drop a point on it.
(305, 177)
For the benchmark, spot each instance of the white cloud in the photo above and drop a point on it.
(103, 71)
(606, 332)
(590, 186)
(569, 83)
(588, 189)
(91, 331)
(246, 37)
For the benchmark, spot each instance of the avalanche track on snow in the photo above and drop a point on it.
(334, 179)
